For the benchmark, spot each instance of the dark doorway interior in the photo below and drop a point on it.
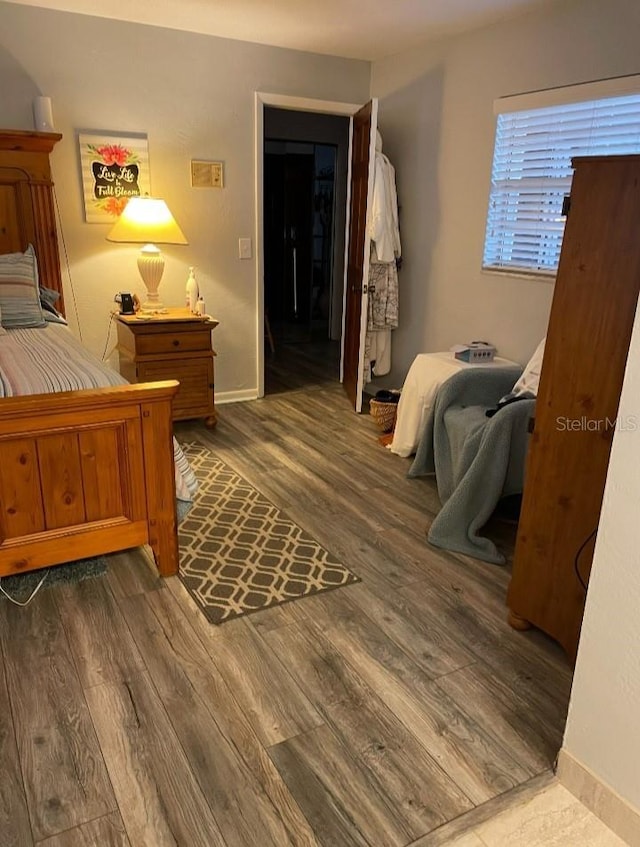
(299, 217)
(304, 212)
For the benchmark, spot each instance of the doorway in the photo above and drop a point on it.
(305, 165)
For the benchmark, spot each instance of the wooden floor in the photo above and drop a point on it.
(370, 715)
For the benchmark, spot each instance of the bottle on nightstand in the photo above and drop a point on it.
(192, 292)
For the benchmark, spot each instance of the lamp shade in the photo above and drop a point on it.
(146, 220)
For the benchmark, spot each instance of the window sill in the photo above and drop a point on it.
(532, 276)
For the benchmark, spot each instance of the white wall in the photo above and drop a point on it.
(436, 116)
(194, 97)
(603, 730)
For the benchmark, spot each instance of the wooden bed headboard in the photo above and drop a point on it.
(27, 214)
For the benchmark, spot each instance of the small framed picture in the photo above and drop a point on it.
(206, 174)
(114, 167)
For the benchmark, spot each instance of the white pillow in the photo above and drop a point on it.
(530, 378)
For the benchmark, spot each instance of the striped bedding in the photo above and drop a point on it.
(50, 359)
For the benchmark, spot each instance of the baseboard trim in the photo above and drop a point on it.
(236, 396)
(612, 809)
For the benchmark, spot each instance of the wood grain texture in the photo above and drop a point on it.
(146, 475)
(107, 831)
(158, 795)
(421, 645)
(473, 757)
(22, 509)
(100, 641)
(24, 164)
(65, 780)
(268, 696)
(250, 802)
(538, 673)
(14, 817)
(342, 800)
(133, 572)
(423, 638)
(101, 476)
(357, 261)
(172, 346)
(594, 300)
(157, 433)
(61, 479)
(531, 738)
(373, 735)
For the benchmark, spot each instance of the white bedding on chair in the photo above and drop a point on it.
(426, 374)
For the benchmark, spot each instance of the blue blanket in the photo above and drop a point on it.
(476, 459)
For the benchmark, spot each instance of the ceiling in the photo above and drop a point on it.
(358, 29)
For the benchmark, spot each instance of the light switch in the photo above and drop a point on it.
(244, 248)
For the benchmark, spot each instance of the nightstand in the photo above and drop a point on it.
(173, 345)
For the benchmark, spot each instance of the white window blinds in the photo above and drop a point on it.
(532, 173)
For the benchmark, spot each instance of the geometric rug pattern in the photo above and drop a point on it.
(239, 553)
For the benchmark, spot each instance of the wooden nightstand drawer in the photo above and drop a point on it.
(173, 342)
(195, 394)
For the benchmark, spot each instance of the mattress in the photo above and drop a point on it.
(51, 359)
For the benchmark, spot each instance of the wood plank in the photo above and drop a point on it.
(160, 485)
(423, 637)
(107, 831)
(277, 616)
(343, 801)
(539, 672)
(14, 817)
(100, 462)
(374, 736)
(533, 740)
(61, 480)
(251, 803)
(65, 779)
(158, 795)
(101, 643)
(20, 495)
(132, 572)
(474, 758)
(270, 699)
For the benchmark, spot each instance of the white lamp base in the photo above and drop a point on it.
(151, 267)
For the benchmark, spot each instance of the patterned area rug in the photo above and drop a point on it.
(239, 553)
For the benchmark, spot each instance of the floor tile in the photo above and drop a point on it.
(552, 819)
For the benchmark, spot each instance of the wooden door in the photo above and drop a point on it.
(592, 315)
(355, 324)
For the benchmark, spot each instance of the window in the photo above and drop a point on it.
(532, 171)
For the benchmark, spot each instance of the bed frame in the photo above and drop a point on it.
(81, 472)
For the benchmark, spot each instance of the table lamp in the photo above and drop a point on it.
(148, 221)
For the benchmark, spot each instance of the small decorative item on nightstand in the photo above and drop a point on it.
(175, 345)
(192, 292)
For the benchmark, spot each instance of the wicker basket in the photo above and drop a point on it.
(384, 414)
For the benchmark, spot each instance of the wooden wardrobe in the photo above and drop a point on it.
(592, 315)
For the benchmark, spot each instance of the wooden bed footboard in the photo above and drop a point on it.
(87, 472)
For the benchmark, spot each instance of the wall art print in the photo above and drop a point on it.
(114, 168)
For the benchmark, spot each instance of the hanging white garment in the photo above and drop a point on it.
(383, 222)
(384, 233)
